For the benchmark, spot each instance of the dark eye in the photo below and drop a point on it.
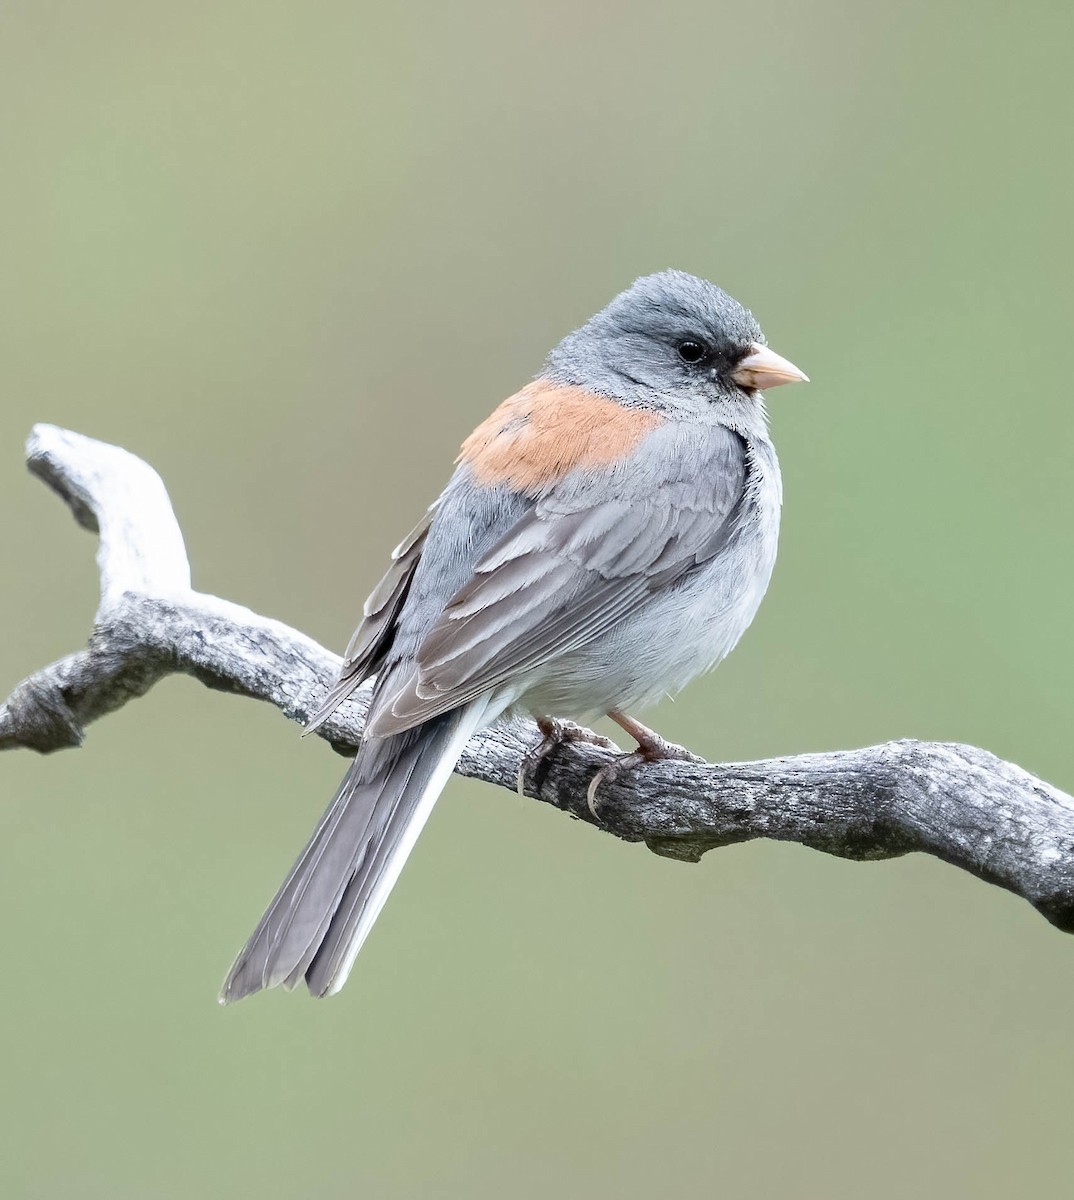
(691, 352)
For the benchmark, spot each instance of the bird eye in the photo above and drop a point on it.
(691, 352)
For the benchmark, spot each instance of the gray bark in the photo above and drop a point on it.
(958, 803)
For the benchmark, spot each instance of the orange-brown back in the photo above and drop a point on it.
(546, 430)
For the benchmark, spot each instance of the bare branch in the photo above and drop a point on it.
(124, 500)
(958, 803)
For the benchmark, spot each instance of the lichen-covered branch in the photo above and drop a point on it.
(956, 802)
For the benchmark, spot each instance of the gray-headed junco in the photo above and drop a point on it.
(607, 535)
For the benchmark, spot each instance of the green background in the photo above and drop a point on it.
(290, 253)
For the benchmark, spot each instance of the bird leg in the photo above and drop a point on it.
(556, 733)
(651, 748)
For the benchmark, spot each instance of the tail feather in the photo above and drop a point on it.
(385, 857)
(328, 903)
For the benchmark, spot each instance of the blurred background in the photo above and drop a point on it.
(291, 253)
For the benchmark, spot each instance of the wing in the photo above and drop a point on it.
(373, 638)
(432, 563)
(572, 567)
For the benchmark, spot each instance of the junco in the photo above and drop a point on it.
(607, 535)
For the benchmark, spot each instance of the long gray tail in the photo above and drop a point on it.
(327, 905)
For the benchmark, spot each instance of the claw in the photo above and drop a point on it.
(607, 774)
(555, 733)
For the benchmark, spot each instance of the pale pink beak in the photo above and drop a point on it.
(763, 368)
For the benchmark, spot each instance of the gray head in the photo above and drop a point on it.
(672, 341)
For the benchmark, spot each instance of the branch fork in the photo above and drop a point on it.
(956, 802)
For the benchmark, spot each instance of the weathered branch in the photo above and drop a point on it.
(956, 802)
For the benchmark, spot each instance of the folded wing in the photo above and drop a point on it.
(568, 571)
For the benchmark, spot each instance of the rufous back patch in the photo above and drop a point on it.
(541, 433)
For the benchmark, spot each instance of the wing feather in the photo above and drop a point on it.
(568, 571)
(373, 638)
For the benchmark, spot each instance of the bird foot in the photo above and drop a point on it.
(651, 748)
(555, 733)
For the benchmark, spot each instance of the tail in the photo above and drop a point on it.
(327, 905)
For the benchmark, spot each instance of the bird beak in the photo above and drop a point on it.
(763, 368)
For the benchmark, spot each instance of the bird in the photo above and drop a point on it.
(607, 535)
